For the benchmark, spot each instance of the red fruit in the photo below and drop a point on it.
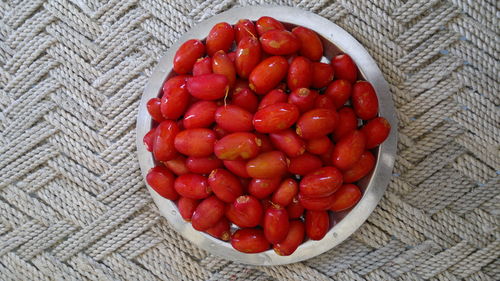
(244, 182)
(362, 168)
(346, 197)
(245, 99)
(208, 86)
(236, 146)
(262, 188)
(289, 142)
(268, 165)
(149, 139)
(279, 42)
(208, 213)
(339, 91)
(245, 211)
(177, 165)
(237, 167)
(293, 239)
(327, 157)
(202, 66)
(347, 123)
(282, 86)
(275, 224)
(376, 131)
(174, 82)
(295, 209)
(245, 28)
(304, 164)
(319, 145)
(233, 118)
(268, 74)
(266, 144)
(192, 186)
(197, 142)
(174, 102)
(317, 123)
(186, 207)
(187, 54)
(324, 101)
(300, 73)
(200, 115)
(154, 110)
(232, 56)
(225, 185)
(311, 46)
(219, 132)
(348, 150)
(274, 96)
(321, 183)
(163, 147)
(220, 37)
(222, 64)
(317, 224)
(265, 24)
(322, 74)
(221, 230)
(316, 204)
(275, 117)
(203, 165)
(240, 85)
(266, 203)
(303, 98)
(285, 193)
(162, 181)
(345, 68)
(248, 56)
(250, 240)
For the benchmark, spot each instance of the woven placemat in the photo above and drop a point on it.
(73, 205)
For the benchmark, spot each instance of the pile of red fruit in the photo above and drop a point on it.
(255, 131)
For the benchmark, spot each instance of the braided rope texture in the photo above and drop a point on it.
(73, 204)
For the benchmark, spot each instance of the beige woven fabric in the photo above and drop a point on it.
(73, 205)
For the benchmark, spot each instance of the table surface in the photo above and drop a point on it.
(73, 205)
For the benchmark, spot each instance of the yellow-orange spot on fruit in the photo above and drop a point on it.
(274, 44)
(278, 252)
(298, 131)
(242, 199)
(304, 92)
(244, 52)
(281, 125)
(385, 123)
(258, 141)
(252, 86)
(225, 236)
(245, 155)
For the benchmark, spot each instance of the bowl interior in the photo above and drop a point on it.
(342, 223)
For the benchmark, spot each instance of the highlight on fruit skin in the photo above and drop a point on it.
(257, 141)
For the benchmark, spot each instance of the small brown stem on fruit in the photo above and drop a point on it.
(251, 34)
